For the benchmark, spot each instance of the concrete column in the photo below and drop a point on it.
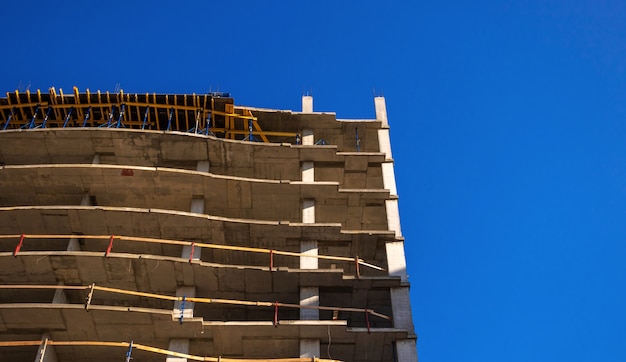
(396, 259)
(393, 216)
(308, 211)
(381, 111)
(73, 244)
(96, 159)
(307, 104)
(389, 178)
(187, 312)
(86, 200)
(202, 166)
(308, 139)
(308, 247)
(406, 350)
(309, 296)
(182, 345)
(308, 172)
(46, 353)
(197, 207)
(178, 345)
(310, 348)
(59, 296)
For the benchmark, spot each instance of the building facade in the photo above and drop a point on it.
(181, 227)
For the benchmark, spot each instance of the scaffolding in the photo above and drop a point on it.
(211, 114)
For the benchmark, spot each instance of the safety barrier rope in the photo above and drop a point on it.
(132, 345)
(93, 287)
(192, 244)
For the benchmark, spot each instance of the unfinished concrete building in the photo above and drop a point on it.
(172, 227)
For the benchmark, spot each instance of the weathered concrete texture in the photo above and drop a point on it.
(175, 150)
(332, 194)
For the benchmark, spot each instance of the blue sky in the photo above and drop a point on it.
(508, 126)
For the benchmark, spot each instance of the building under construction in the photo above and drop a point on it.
(170, 227)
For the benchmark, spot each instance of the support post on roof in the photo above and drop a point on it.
(45, 120)
(169, 120)
(307, 104)
(87, 115)
(9, 119)
(33, 122)
(119, 118)
(68, 117)
(145, 117)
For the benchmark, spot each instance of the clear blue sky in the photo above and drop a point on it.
(508, 130)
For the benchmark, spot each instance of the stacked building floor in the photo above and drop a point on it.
(171, 227)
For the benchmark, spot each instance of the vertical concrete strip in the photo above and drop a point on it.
(381, 111)
(309, 296)
(308, 172)
(178, 345)
(46, 353)
(203, 166)
(307, 134)
(396, 259)
(187, 310)
(308, 211)
(384, 143)
(393, 216)
(310, 348)
(307, 104)
(389, 178)
(308, 138)
(406, 350)
(59, 296)
(197, 207)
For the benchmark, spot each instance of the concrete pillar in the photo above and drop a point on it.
(178, 345)
(308, 211)
(202, 166)
(46, 353)
(310, 348)
(187, 312)
(86, 200)
(406, 350)
(389, 178)
(59, 296)
(381, 111)
(309, 296)
(197, 207)
(393, 216)
(308, 138)
(73, 245)
(307, 104)
(396, 259)
(308, 172)
(401, 307)
(96, 159)
(308, 247)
